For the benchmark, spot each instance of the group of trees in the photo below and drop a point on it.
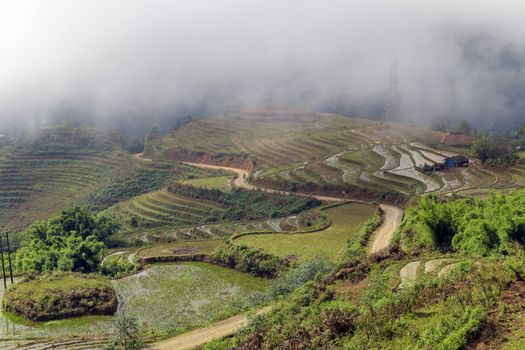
(71, 241)
(497, 150)
(473, 226)
(500, 150)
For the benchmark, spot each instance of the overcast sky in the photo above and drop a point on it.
(128, 59)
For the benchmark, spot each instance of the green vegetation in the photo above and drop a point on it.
(165, 208)
(251, 260)
(495, 151)
(56, 296)
(71, 241)
(118, 266)
(173, 298)
(180, 248)
(249, 205)
(346, 220)
(454, 263)
(437, 311)
(142, 180)
(218, 182)
(478, 227)
(299, 275)
(355, 251)
(126, 333)
(68, 139)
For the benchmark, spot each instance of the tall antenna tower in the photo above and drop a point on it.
(392, 106)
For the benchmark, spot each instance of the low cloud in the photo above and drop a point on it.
(131, 61)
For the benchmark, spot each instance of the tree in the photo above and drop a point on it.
(495, 150)
(464, 127)
(126, 332)
(71, 241)
(134, 221)
(520, 137)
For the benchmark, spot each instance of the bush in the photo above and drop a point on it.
(478, 227)
(117, 268)
(496, 151)
(250, 260)
(126, 333)
(299, 275)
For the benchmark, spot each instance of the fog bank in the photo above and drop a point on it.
(131, 61)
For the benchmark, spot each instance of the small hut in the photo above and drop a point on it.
(456, 162)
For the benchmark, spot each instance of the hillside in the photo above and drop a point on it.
(297, 214)
(434, 288)
(326, 153)
(54, 168)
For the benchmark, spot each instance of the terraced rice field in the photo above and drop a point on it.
(172, 297)
(325, 148)
(177, 297)
(163, 207)
(216, 231)
(181, 248)
(346, 220)
(35, 186)
(410, 272)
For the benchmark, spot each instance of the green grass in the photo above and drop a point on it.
(172, 298)
(41, 286)
(521, 155)
(346, 220)
(182, 248)
(60, 296)
(222, 183)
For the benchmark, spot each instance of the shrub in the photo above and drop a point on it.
(118, 268)
(299, 275)
(496, 151)
(478, 227)
(250, 260)
(126, 333)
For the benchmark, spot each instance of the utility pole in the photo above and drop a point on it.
(9, 256)
(3, 263)
(393, 99)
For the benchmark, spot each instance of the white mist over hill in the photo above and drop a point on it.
(138, 60)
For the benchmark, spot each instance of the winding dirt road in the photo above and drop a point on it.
(383, 235)
(198, 337)
(381, 239)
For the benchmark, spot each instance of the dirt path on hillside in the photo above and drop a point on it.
(140, 156)
(391, 220)
(381, 239)
(198, 337)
